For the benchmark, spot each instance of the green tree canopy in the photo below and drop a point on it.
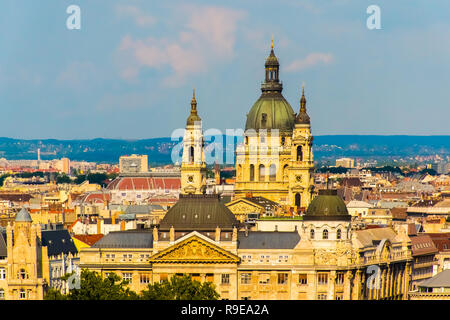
(180, 288)
(94, 287)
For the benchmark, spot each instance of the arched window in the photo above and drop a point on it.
(338, 234)
(252, 172)
(325, 234)
(299, 153)
(272, 172)
(311, 234)
(283, 140)
(262, 173)
(285, 171)
(191, 154)
(22, 294)
(2, 294)
(23, 274)
(246, 140)
(298, 200)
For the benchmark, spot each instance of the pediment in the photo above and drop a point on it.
(194, 250)
(243, 206)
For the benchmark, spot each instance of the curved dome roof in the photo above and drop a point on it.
(327, 206)
(271, 112)
(199, 212)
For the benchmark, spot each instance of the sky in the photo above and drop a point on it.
(129, 71)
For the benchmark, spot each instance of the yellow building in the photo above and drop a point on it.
(323, 259)
(34, 259)
(276, 159)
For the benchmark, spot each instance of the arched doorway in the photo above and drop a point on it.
(299, 153)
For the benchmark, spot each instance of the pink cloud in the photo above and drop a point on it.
(207, 38)
(310, 60)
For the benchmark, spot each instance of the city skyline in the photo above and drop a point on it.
(128, 73)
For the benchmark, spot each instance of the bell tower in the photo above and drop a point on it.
(193, 167)
(301, 170)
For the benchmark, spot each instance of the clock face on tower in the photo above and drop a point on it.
(191, 178)
(298, 178)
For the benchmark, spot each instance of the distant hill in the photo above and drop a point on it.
(159, 149)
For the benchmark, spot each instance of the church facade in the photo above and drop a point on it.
(323, 259)
(276, 159)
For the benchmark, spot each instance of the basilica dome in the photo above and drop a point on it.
(271, 110)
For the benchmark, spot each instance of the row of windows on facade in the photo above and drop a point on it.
(264, 278)
(23, 294)
(246, 278)
(325, 234)
(126, 257)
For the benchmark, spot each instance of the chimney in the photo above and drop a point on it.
(113, 219)
(172, 234)
(246, 231)
(217, 234)
(276, 228)
(99, 226)
(122, 225)
(155, 234)
(234, 238)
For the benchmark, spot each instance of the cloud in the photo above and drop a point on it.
(77, 74)
(207, 38)
(139, 17)
(310, 60)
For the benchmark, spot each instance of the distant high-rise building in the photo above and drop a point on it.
(133, 164)
(345, 163)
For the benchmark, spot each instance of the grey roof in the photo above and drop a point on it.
(199, 212)
(127, 216)
(3, 248)
(126, 239)
(58, 241)
(23, 216)
(142, 209)
(441, 280)
(268, 240)
(368, 236)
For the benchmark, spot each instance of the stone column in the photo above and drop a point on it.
(406, 282)
(347, 285)
(357, 286)
(332, 286)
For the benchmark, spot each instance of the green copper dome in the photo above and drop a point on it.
(270, 112)
(327, 206)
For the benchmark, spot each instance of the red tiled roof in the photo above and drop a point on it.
(145, 183)
(89, 239)
(422, 244)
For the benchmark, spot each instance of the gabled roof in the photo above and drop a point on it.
(126, 239)
(268, 240)
(194, 249)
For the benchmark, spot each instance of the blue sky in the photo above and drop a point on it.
(129, 72)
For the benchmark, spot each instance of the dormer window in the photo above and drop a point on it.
(325, 234)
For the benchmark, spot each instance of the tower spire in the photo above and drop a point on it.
(193, 117)
(271, 44)
(302, 117)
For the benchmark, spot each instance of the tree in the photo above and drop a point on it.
(54, 294)
(63, 179)
(180, 288)
(94, 287)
